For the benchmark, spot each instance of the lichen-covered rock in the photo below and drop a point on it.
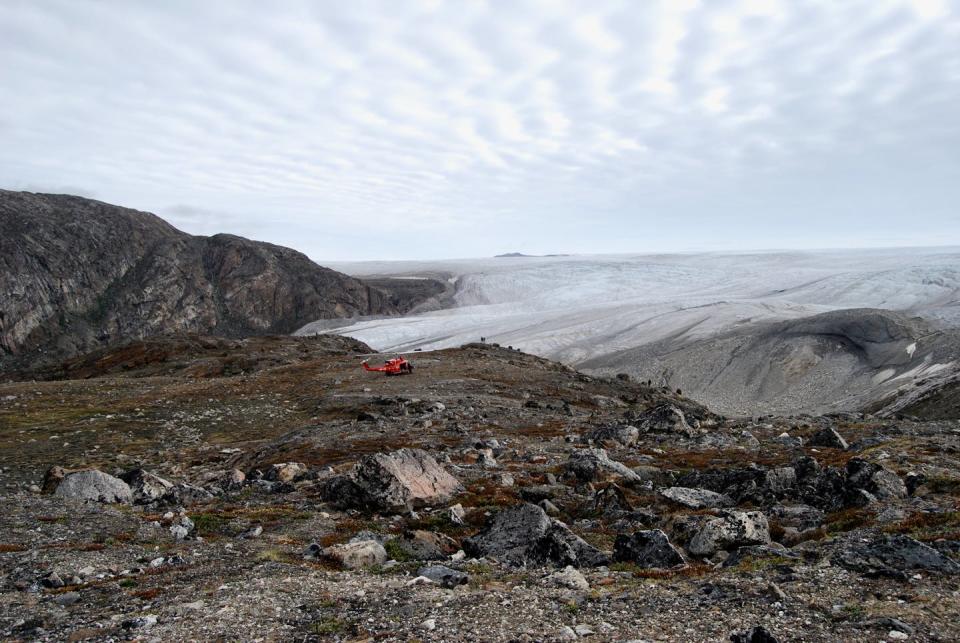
(648, 549)
(696, 498)
(396, 481)
(94, 485)
(525, 535)
(732, 529)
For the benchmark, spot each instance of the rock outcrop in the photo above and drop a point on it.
(94, 485)
(396, 481)
(76, 274)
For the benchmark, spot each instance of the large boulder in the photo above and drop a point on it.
(590, 465)
(647, 549)
(397, 481)
(147, 487)
(696, 498)
(94, 485)
(525, 535)
(731, 529)
(893, 556)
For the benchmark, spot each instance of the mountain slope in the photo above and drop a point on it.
(76, 274)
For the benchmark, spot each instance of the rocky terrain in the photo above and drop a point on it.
(76, 274)
(201, 488)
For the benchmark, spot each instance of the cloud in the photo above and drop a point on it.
(412, 127)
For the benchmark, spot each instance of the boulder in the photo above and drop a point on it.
(94, 485)
(397, 481)
(648, 549)
(525, 535)
(357, 555)
(590, 465)
(731, 529)
(893, 556)
(875, 479)
(614, 434)
(828, 438)
(146, 487)
(696, 498)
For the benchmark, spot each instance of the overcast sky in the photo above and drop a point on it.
(402, 129)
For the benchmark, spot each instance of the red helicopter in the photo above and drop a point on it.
(395, 366)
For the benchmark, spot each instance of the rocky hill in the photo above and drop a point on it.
(76, 274)
(197, 488)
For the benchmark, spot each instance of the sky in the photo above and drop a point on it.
(427, 129)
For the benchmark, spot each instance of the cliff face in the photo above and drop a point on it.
(76, 274)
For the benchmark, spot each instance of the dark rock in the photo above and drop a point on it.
(647, 549)
(877, 480)
(893, 556)
(829, 438)
(525, 535)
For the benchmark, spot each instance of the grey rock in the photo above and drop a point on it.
(648, 549)
(525, 535)
(732, 529)
(696, 498)
(95, 486)
(893, 556)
